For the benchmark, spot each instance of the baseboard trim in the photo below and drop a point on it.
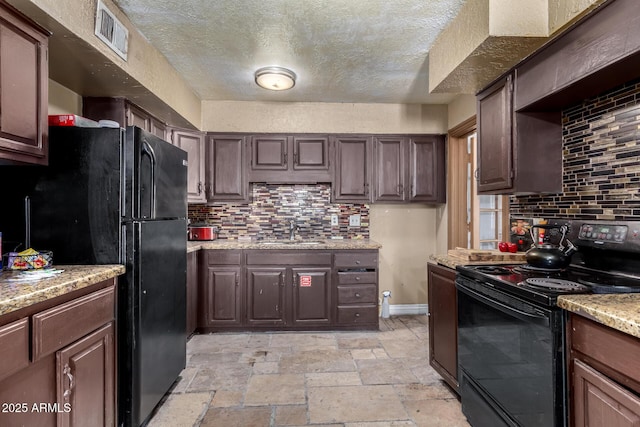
(407, 309)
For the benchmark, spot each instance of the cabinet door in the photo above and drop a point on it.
(310, 153)
(495, 137)
(158, 128)
(192, 292)
(192, 142)
(266, 296)
(85, 372)
(352, 170)
(23, 89)
(443, 323)
(311, 296)
(269, 152)
(226, 172)
(223, 296)
(601, 402)
(137, 117)
(427, 174)
(390, 160)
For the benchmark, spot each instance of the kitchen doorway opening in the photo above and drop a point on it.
(475, 221)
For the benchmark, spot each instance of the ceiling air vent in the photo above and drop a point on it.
(111, 31)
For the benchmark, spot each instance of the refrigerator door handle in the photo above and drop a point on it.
(148, 150)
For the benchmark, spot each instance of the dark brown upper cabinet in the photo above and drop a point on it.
(226, 168)
(410, 169)
(193, 143)
(24, 86)
(352, 176)
(124, 112)
(518, 152)
(391, 170)
(495, 137)
(290, 159)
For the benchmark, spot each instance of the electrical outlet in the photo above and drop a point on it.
(354, 221)
(334, 220)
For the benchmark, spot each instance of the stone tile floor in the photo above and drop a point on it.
(350, 379)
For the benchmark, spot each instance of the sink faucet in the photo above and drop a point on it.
(292, 229)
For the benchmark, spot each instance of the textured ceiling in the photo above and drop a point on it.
(360, 51)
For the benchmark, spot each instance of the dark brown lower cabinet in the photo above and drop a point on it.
(604, 375)
(443, 323)
(266, 296)
(311, 304)
(66, 377)
(290, 295)
(255, 289)
(221, 289)
(85, 372)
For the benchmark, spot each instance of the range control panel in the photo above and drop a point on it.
(605, 232)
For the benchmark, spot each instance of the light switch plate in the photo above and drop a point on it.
(354, 221)
(334, 219)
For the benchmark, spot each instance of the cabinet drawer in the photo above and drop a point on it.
(14, 342)
(223, 256)
(62, 325)
(357, 277)
(357, 259)
(357, 294)
(272, 257)
(596, 341)
(358, 314)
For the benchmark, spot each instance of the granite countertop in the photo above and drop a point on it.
(618, 311)
(352, 244)
(453, 262)
(17, 295)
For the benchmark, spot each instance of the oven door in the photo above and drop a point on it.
(510, 358)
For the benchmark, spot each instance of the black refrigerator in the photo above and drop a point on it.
(118, 196)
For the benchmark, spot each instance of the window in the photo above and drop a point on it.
(475, 221)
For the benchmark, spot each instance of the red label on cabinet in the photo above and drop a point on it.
(305, 281)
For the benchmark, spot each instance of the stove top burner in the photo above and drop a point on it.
(599, 285)
(531, 269)
(493, 269)
(556, 284)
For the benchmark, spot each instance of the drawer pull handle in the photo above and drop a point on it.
(357, 295)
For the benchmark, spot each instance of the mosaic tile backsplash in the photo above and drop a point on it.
(267, 216)
(601, 161)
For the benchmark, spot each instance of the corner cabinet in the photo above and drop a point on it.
(193, 143)
(410, 169)
(226, 168)
(605, 384)
(24, 73)
(352, 179)
(443, 323)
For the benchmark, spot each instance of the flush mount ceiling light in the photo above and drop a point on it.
(275, 78)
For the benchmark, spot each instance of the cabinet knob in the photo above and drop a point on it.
(358, 278)
(357, 295)
(357, 262)
(357, 314)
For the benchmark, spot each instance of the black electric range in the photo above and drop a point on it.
(607, 261)
(511, 333)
